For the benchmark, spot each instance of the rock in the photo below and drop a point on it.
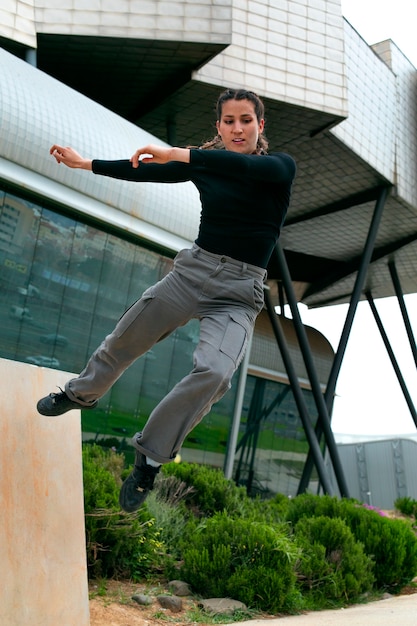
(173, 603)
(222, 605)
(142, 599)
(179, 588)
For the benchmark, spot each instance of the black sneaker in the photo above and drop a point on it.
(138, 484)
(59, 403)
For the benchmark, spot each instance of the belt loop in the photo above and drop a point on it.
(195, 250)
(219, 268)
(244, 268)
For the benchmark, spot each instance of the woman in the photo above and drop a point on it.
(245, 195)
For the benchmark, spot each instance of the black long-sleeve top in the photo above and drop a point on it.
(244, 197)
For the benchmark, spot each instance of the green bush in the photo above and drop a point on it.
(309, 505)
(211, 492)
(251, 562)
(333, 564)
(117, 544)
(166, 504)
(271, 511)
(389, 542)
(202, 527)
(262, 587)
(406, 506)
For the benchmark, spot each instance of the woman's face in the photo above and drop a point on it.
(239, 127)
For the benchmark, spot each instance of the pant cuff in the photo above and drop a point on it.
(74, 398)
(149, 453)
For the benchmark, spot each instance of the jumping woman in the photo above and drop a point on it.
(245, 193)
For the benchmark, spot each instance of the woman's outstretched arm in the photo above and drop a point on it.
(70, 157)
(148, 154)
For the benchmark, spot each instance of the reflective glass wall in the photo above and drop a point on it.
(65, 283)
(272, 446)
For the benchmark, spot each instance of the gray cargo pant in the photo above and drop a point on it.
(225, 295)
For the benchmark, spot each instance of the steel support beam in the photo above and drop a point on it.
(322, 410)
(237, 413)
(298, 396)
(399, 293)
(391, 355)
(340, 353)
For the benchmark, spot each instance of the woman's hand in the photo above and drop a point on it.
(70, 157)
(159, 154)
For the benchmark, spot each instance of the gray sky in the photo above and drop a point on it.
(376, 20)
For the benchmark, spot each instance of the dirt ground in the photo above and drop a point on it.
(112, 614)
(112, 605)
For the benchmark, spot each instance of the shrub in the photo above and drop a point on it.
(236, 546)
(272, 511)
(252, 562)
(406, 506)
(166, 505)
(333, 564)
(212, 492)
(117, 544)
(308, 505)
(389, 542)
(261, 587)
(101, 475)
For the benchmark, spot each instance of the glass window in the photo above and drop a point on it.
(20, 309)
(272, 446)
(64, 285)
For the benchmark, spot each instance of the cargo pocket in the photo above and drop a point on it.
(132, 313)
(235, 339)
(258, 294)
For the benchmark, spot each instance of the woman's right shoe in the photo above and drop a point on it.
(138, 484)
(59, 403)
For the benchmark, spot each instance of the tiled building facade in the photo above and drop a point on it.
(107, 76)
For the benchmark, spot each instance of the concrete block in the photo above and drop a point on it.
(43, 568)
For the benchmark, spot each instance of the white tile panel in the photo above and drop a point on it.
(17, 21)
(300, 52)
(406, 136)
(201, 21)
(31, 121)
(382, 123)
(307, 33)
(369, 129)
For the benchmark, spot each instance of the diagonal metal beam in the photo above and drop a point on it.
(391, 355)
(356, 293)
(316, 452)
(352, 266)
(400, 298)
(356, 199)
(323, 413)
